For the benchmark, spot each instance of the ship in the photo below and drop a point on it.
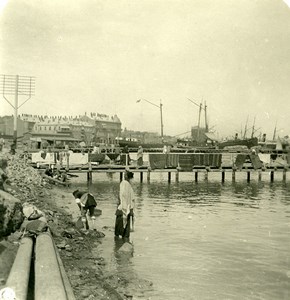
(248, 142)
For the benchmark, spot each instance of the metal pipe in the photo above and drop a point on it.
(18, 278)
(48, 280)
(67, 285)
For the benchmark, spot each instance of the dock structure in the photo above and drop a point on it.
(177, 163)
(198, 173)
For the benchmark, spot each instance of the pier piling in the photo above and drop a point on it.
(284, 174)
(272, 176)
(177, 176)
(196, 176)
(148, 176)
(234, 176)
(223, 176)
(141, 176)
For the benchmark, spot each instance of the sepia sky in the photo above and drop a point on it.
(103, 55)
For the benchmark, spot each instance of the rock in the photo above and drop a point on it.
(85, 293)
(29, 209)
(99, 234)
(66, 234)
(68, 248)
(61, 245)
(97, 212)
(15, 236)
(70, 230)
(128, 295)
(8, 252)
(76, 273)
(11, 214)
(126, 248)
(91, 297)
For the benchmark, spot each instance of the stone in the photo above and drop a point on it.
(85, 293)
(11, 214)
(61, 245)
(8, 252)
(68, 248)
(126, 248)
(15, 237)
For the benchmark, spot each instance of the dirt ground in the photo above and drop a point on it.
(85, 268)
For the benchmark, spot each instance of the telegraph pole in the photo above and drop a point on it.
(15, 111)
(161, 118)
(161, 114)
(15, 85)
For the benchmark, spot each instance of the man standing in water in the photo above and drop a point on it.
(126, 206)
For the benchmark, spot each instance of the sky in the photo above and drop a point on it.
(103, 55)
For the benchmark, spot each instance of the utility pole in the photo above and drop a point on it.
(205, 117)
(161, 118)
(161, 115)
(15, 85)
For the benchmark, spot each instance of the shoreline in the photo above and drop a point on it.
(85, 268)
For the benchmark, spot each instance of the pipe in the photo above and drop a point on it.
(18, 278)
(66, 282)
(48, 280)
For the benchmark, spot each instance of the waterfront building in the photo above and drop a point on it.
(7, 129)
(106, 128)
(39, 131)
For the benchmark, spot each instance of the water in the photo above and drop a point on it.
(204, 240)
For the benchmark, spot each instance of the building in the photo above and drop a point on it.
(107, 128)
(98, 128)
(37, 131)
(7, 129)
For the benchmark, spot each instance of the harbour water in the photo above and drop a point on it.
(205, 240)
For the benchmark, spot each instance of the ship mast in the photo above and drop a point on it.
(205, 117)
(274, 134)
(198, 126)
(253, 128)
(245, 132)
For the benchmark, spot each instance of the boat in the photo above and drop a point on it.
(248, 142)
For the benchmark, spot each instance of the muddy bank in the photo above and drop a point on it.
(85, 268)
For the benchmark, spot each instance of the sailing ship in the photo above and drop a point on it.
(244, 141)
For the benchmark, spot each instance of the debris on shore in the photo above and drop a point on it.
(84, 267)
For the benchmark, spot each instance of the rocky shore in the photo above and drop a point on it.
(85, 268)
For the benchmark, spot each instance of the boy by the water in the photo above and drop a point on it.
(87, 204)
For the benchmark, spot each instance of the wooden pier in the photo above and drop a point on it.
(198, 173)
(199, 164)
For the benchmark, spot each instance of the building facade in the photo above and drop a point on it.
(62, 130)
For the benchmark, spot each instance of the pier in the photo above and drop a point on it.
(200, 165)
(197, 173)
